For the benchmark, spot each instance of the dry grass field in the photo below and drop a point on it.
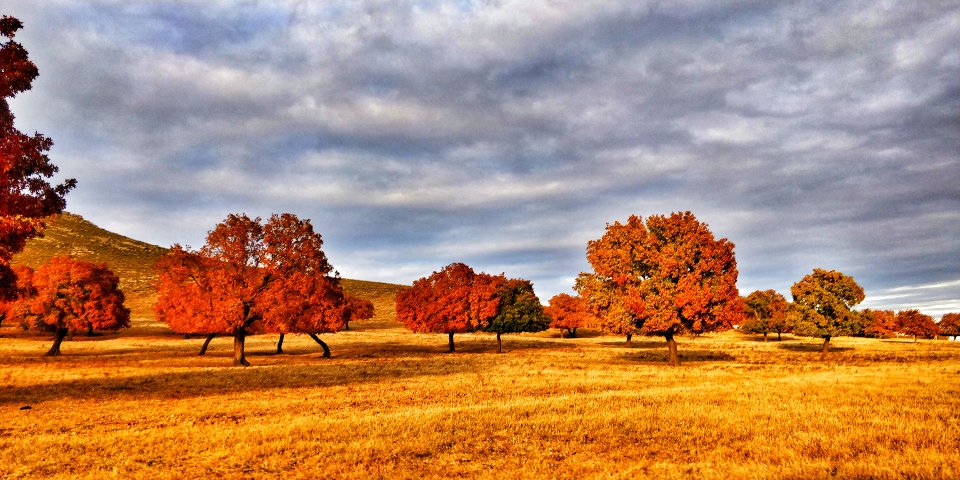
(391, 404)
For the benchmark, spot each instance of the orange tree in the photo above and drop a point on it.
(569, 313)
(912, 322)
(66, 295)
(766, 311)
(950, 325)
(454, 300)
(355, 308)
(824, 300)
(252, 278)
(879, 323)
(26, 194)
(666, 278)
(518, 310)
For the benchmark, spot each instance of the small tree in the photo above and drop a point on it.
(252, 278)
(766, 311)
(950, 325)
(569, 313)
(667, 277)
(824, 300)
(519, 310)
(879, 323)
(66, 295)
(357, 309)
(26, 194)
(453, 300)
(912, 322)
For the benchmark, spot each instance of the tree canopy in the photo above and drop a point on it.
(666, 277)
(66, 295)
(825, 299)
(765, 312)
(518, 309)
(26, 193)
(568, 312)
(912, 322)
(252, 277)
(950, 324)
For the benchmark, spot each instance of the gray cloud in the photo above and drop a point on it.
(507, 134)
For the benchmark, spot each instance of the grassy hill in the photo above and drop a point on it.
(133, 261)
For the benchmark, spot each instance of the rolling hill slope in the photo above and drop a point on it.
(133, 261)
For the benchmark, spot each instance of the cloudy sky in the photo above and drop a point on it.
(506, 134)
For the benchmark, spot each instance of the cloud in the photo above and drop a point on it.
(507, 134)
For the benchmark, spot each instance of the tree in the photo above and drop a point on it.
(912, 322)
(453, 300)
(26, 194)
(66, 295)
(518, 310)
(252, 278)
(824, 300)
(20, 285)
(568, 312)
(357, 309)
(766, 311)
(667, 277)
(950, 325)
(879, 323)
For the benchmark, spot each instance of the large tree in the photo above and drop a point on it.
(454, 300)
(666, 277)
(950, 325)
(26, 194)
(879, 323)
(912, 322)
(568, 312)
(66, 295)
(824, 299)
(518, 310)
(249, 278)
(765, 311)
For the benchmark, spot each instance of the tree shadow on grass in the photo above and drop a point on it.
(203, 381)
(686, 356)
(812, 347)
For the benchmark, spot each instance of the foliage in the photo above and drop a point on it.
(519, 309)
(67, 295)
(357, 309)
(824, 299)
(568, 312)
(950, 324)
(453, 300)
(912, 322)
(879, 323)
(667, 277)
(765, 311)
(252, 278)
(26, 194)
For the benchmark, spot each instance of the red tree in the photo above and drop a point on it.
(26, 195)
(879, 323)
(453, 300)
(766, 311)
(66, 295)
(666, 278)
(569, 313)
(252, 278)
(950, 325)
(912, 322)
(357, 309)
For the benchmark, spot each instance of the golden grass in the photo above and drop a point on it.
(391, 404)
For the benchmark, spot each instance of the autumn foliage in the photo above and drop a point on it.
(950, 324)
(766, 312)
(252, 277)
(879, 323)
(26, 194)
(568, 312)
(912, 322)
(454, 300)
(824, 300)
(666, 277)
(66, 295)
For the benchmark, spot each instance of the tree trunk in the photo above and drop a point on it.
(779, 338)
(238, 343)
(914, 339)
(57, 340)
(629, 338)
(206, 343)
(499, 345)
(451, 343)
(764, 336)
(280, 345)
(346, 325)
(673, 358)
(326, 349)
(573, 334)
(826, 345)
(90, 332)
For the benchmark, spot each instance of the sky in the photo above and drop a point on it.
(507, 134)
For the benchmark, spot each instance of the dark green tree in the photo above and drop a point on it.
(519, 309)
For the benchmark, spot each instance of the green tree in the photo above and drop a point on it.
(519, 309)
(824, 300)
(766, 311)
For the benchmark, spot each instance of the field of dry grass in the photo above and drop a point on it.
(391, 404)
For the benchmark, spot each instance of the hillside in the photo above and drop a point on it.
(133, 261)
